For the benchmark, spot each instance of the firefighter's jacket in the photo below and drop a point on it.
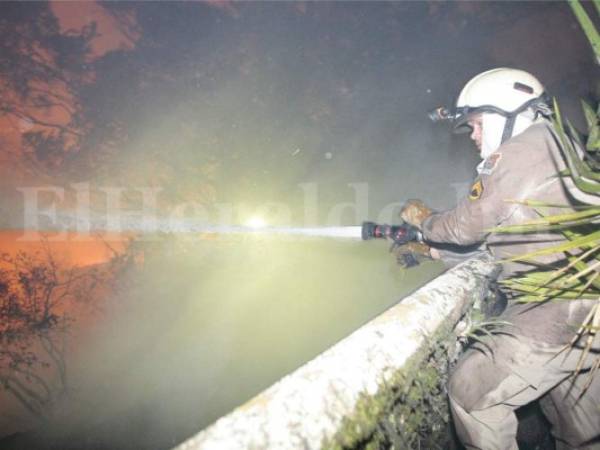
(523, 168)
(521, 365)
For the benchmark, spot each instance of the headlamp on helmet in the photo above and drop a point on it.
(503, 91)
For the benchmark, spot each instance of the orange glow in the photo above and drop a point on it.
(113, 34)
(73, 249)
(34, 118)
(56, 119)
(224, 5)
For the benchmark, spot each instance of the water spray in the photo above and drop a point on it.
(399, 234)
(254, 226)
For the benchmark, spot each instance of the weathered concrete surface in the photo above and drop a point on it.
(308, 406)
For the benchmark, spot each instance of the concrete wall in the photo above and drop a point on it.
(312, 407)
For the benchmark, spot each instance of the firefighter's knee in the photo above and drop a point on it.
(459, 390)
(475, 377)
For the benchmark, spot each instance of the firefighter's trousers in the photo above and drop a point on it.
(511, 369)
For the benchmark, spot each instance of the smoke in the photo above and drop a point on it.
(204, 325)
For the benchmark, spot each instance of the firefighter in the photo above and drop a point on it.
(507, 114)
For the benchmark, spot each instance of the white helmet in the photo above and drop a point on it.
(506, 97)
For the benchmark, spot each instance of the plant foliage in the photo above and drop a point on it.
(579, 278)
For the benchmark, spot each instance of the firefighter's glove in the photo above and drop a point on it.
(415, 212)
(411, 253)
(407, 260)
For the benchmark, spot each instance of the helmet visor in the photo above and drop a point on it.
(464, 114)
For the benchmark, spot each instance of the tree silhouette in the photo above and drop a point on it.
(38, 299)
(41, 74)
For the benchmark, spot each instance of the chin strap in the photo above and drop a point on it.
(538, 105)
(508, 128)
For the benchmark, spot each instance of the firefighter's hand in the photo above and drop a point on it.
(415, 212)
(411, 253)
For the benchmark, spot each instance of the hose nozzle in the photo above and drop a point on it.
(400, 234)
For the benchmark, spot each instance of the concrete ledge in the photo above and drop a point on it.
(307, 407)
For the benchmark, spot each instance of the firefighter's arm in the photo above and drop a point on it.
(483, 208)
(463, 225)
(458, 226)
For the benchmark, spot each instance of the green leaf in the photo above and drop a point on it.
(536, 203)
(586, 215)
(564, 173)
(578, 169)
(527, 229)
(573, 134)
(543, 288)
(590, 115)
(585, 240)
(580, 265)
(588, 26)
(583, 168)
(593, 140)
(590, 168)
(589, 213)
(540, 293)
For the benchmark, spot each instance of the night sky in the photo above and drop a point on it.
(241, 103)
(300, 113)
